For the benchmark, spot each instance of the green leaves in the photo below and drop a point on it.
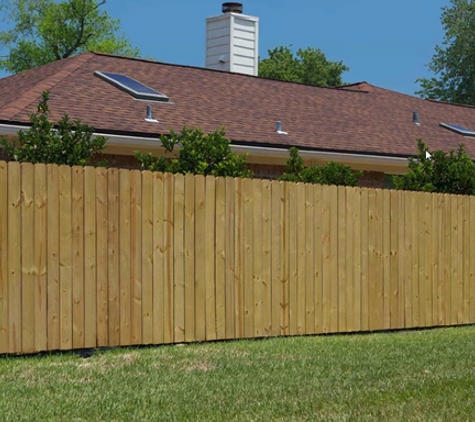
(309, 67)
(331, 173)
(72, 143)
(452, 172)
(45, 30)
(454, 62)
(199, 153)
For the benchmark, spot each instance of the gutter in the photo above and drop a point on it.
(261, 151)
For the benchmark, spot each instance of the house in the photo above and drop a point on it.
(367, 127)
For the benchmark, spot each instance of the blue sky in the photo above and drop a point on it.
(384, 42)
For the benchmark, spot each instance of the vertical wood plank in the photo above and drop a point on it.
(309, 259)
(220, 265)
(65, 256)
(178, 258)
(136, 256)
(293, 221)
(386, 263)
(257, 257)
(276, 289)
(230, 259)
(401, 259)
(334, 259)
(102, 290)
(40, 270)
(247, 259)
(365, 268)
(326, 267)
(4, 346)
(422, 255)
(200, 281)
(441, 247)
(266, 257)
(458, 264)
(90, 296)
(78, 256)
(53, 289)
(113, 257)
(189, 257)
(472, 263)
(210, 251)
(448, 235)
(158, 252)
(285, 274)
(416, 228)
(348, 260)
(168, 293)
(27, 258)
(14, 258)
(396, 219)
(341, 256)
(239, 259)
(357, 224)
(301, 258)
(466, 259)
(318, 259)
(125, 275)
(430, 261)
(147, 257)
(454, 260)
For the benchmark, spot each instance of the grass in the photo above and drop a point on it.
(406, 376)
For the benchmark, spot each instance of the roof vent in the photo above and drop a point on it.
(415, 118)
(232, 7)
(278, 128)
(149, 117)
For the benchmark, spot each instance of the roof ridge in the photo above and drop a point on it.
(24, 100)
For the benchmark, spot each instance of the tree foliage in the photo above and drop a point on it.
(454, 62)
(309, 66)
(44, 31)
(331, 173)
(442, 172)
(72, 143)
(199, 153)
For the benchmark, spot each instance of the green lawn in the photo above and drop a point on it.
(409, 376)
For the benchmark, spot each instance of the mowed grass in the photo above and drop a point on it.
(406, 376)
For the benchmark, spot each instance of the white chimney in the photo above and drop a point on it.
(232, 42)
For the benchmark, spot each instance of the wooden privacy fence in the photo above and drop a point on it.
(102, 257)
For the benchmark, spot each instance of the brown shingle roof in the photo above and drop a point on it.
(357, 118)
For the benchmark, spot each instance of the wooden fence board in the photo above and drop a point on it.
(466, 260)
(178, 259)
(90, 266)
(220, 264)
(168, 278)
(266, 257)
(447, 259)
(309, 259)
(472, 262)
(200, 280)
(422, 229)
(125, 275)
(458, 263)
(293, 221)
(102, 290)
(40, 248)
(77, 204)
(230, 259)
(394, 285)
(4, 346)
(248, 288)
(356, 262)
(386, 258)
(318, 253)
(257, 257)
(408, 259)
(342, 280)
(430, 261)
(301, 250)
(285, 273)
(326, 267)
(189, 245)
(454, 257)
(113, 257)
(334, 296)
(365, 269)
(276, 188)
(401, 261)
(158, 262)
(238, 262)
(147, 257)
(375, 243)
(136, 256)
(14, 258)
(209, 253)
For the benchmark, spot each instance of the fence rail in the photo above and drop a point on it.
(102, 257)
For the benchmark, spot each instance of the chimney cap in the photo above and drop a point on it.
(231, 6)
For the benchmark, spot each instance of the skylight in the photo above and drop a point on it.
(133, 87)
(458, 129)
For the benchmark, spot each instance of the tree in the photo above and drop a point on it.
(454, 62)
(72, 143)
(45, 31)
(199, 153)
(331, 173)
(439, 171)
(309, 67)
